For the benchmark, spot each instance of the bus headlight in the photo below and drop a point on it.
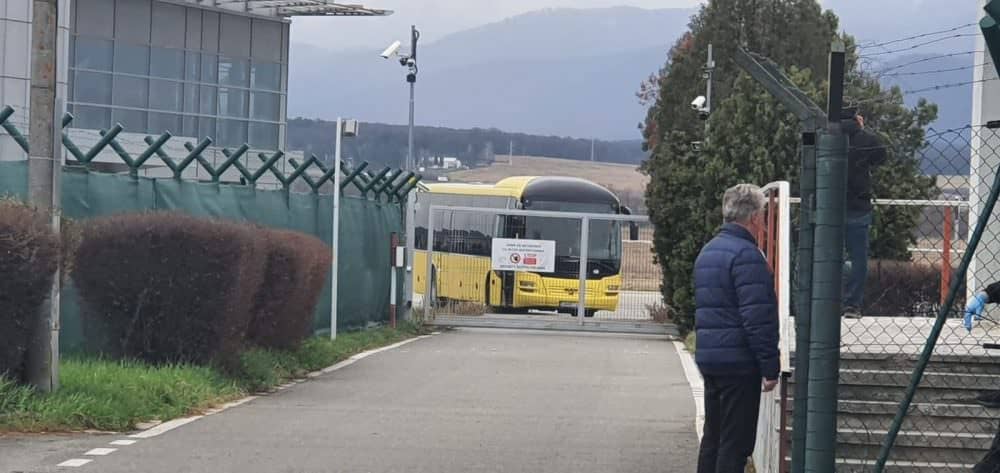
(527, 286)
(613, 289)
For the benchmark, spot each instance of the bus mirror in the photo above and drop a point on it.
(633, 231)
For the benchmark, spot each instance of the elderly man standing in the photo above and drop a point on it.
(736, 321)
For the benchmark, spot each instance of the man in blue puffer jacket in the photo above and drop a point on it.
(736, 321)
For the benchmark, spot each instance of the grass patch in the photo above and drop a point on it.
(117, 395)
(690, 342)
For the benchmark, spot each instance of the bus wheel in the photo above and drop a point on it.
(590, 313)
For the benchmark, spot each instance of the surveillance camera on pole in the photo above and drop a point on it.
(392, 50)
(700, 105)
(409, 61)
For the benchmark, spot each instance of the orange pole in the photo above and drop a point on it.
(946, 255)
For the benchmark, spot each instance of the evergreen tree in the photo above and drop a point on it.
(751, 137)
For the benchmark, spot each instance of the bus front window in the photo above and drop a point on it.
(604, 248)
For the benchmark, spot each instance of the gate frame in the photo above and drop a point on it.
(584, 218)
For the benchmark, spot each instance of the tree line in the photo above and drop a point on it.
(386, 145)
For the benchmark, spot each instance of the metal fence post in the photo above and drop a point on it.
(581, 309)
(429, 264)
(828, 267)
(803, 294)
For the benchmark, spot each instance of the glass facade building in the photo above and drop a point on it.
(157, 66)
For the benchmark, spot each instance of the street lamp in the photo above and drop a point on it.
(409, 61)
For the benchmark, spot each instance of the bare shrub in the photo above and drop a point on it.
(29, 257)
(166, 287)
(294, 277)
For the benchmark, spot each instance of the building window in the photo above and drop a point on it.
(92, 87)
(266, 106)
(266, 76)
(131, 59)
(93, 54)
(234, 72)
(176, 76)
(165, 95)
(131, 92)
(167, 63)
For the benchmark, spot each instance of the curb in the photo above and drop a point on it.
(697, 386)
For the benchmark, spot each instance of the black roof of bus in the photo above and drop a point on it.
(567, 189)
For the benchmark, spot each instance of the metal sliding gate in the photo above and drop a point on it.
(545, 270)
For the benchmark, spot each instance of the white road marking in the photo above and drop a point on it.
(76, 462)
(697, 386)
(173, 424)
(100, 452)
(124, 442)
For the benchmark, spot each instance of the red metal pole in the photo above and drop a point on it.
(393, 243)
(946, 255)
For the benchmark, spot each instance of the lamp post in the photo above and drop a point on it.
(345, 128)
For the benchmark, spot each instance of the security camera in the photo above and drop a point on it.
(391, 50)
(699, 103)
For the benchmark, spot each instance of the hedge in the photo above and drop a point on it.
(165, 287)
(29, 257)
(295, 274)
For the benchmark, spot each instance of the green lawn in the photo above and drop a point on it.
(116, 395)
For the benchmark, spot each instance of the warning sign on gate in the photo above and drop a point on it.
(538, 256)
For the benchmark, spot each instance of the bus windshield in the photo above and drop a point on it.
(605, 236)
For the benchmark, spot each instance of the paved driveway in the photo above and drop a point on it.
(462, 401)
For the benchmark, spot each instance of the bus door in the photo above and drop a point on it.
(513, 227)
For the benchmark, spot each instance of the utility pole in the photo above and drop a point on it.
(44, 179)
(510, 154)
(709, 75)
(591, 150)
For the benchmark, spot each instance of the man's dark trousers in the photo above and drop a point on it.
(732, 404)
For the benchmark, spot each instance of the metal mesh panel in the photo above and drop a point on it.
(917, 240)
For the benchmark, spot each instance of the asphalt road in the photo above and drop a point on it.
(462, 401)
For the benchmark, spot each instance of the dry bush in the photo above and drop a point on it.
(29, 257)
(660, 312)
(165, 287)
(294, 277)
(903, 288)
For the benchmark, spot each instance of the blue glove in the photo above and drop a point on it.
(974, 310)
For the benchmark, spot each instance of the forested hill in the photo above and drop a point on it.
(386, 144)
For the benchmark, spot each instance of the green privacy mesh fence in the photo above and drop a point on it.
(367, 221)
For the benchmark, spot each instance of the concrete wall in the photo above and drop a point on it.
(985, 162)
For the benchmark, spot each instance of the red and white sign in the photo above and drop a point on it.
(537, 256)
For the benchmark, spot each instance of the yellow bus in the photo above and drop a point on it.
(462, 270)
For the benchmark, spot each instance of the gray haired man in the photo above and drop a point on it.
(736, 320)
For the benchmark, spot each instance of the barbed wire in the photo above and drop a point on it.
(935, 71)
(882, 72)
(918, 45)
(910, 38)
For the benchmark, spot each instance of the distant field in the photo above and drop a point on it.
(617, 177)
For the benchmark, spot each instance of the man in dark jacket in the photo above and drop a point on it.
(866, 152)
(736, 321)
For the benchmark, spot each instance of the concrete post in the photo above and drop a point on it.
(44, 178)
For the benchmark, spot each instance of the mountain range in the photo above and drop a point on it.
(551, 72)
(572, 72)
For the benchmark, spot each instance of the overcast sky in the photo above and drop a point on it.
(434, 18)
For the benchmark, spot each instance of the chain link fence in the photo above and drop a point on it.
(918, 236)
